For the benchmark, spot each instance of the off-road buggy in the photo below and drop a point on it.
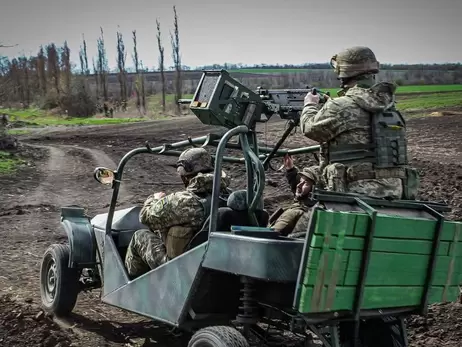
(362, 266)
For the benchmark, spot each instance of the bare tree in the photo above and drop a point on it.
(139, 83)
(121, 58)
(102, 66)
(84, 58)
(24, 84)
(175, 39)
(66, 67)
(53, 70)
(41, 62)
(161, 64)
(96, 74)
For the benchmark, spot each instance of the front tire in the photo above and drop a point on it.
(218, 336)
(59, 284)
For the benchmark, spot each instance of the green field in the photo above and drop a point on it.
(426, 97)
(39, 117)
(268, 71)
(415, 89)
(430, 101)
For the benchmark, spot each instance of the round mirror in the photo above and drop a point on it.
(104, 176)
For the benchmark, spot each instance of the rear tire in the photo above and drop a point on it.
(218, 336)
(59, 284)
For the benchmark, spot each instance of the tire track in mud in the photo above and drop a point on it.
(66, 178)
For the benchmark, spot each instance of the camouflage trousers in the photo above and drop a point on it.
(145, 252)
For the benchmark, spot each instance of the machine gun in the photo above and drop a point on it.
(287, 103)
(222, 100)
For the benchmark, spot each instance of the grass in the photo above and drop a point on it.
(37, 117)
(265, 71)
(447, 88)
(18, 132)
(434, 96)
(8, 162)
(430, 101)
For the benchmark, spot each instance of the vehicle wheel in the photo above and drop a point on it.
(59, 284)
(218, 336)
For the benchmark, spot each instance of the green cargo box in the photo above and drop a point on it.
(398, 262)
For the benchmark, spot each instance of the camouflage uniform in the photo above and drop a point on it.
(174, 219)
(290, 220)
(346, 120)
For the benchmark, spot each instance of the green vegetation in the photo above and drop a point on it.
(18, 132)
(427, 97)
(430, 101)
(267, 71)
(444, 88)
(37, 117)
(9, 162)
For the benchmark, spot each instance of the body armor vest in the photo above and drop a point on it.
(387, 149)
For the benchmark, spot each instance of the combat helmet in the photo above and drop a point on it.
(355, 61)
(194, 160)
(311, 172)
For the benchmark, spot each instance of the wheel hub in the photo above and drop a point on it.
(50, 285)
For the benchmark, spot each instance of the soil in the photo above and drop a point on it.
(58, 172)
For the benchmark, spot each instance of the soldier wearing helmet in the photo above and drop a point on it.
(301, 183)
(175, 218)
(362, 135)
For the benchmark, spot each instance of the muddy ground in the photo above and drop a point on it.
(59, 171)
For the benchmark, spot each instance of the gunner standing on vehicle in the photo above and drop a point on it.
(344, 128)
(175, 218)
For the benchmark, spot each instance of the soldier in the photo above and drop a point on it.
(356, 126)
(175, 218)
(301, 184)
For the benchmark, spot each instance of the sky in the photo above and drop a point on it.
(238, 31)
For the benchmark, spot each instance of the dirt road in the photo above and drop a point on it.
(61, 163)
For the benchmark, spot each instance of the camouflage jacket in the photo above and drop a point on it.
(181, 208)
(288, 220)
(346, 120)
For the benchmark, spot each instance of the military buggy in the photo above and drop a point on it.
(362, 266)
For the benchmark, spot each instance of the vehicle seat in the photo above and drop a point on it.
(124, 224)
(235, 213)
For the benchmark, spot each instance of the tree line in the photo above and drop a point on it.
(50, 81)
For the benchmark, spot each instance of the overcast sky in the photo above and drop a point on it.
(238, 31)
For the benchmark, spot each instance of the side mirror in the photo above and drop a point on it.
(104, 176)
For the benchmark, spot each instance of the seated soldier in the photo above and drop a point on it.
(301, 184)
(174, 219)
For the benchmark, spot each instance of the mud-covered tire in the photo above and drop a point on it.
(218, 336)
(59, 284)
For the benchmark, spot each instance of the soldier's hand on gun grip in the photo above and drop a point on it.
(311, 99)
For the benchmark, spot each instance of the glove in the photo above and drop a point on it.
(311, 99)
